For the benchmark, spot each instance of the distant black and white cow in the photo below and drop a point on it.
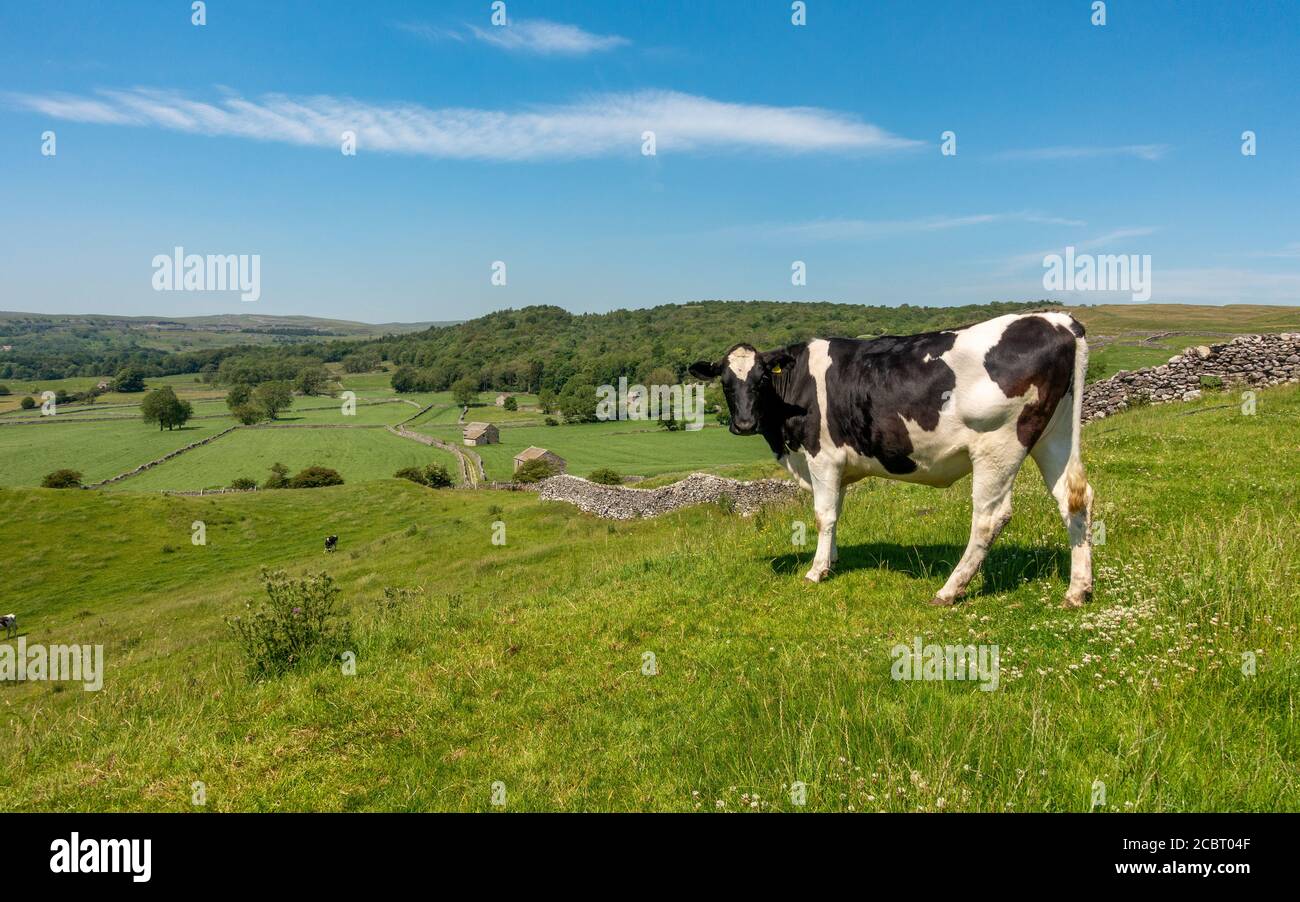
(331, 543)
(9, 623)
(929, 409)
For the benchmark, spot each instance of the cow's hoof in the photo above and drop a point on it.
(940, 602)
(816, 574)
(1075, 599)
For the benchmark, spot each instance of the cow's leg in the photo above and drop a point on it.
(825, 478)
(1052, 454)
(839, 512)
(991, 483)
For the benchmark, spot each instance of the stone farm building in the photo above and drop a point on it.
(559, 464)
(481, 434)
(501, 399)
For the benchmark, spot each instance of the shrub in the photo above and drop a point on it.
(297, 621)
(279, 477)
(315, 477)
(244, 483)
(62, 479)
(510, 403)
(27, 403)
(605, 476)
(415, 474)
(552, 421)
(1212, 383)
(435, 476)
(534, 471)
(248, 414)
(4, 390)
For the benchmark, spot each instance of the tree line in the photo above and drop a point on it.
(549, 351)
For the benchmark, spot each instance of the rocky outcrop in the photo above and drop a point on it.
(618, 503)
(1255, 361)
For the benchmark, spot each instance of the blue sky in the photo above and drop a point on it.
(775, 143)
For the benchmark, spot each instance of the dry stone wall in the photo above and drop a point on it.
(166, 457)
(618, 503)
(1255, 361)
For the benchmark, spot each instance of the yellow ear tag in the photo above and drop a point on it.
(776, 369)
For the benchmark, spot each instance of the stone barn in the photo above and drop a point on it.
(559, 464)
(481, 434)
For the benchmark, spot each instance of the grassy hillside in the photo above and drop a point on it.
(1115, 319)
(523, 663)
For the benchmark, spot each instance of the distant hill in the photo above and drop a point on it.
(52, 345)
(12, 322)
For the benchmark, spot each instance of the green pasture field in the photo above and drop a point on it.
(359, 455)
(633, 448)
(97, 449)
(526, 663)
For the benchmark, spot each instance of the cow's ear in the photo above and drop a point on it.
(702, 369)
(776, 361)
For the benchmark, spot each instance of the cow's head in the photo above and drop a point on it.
(746, 375)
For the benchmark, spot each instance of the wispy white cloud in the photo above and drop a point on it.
(599, 125)
(1150, 152)
(1021, 261)
(547, 38)
(869, 229)
(537, 36)
(430, 32)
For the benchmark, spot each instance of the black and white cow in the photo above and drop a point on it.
(929, 409)
(9, 623)
(331, 543)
